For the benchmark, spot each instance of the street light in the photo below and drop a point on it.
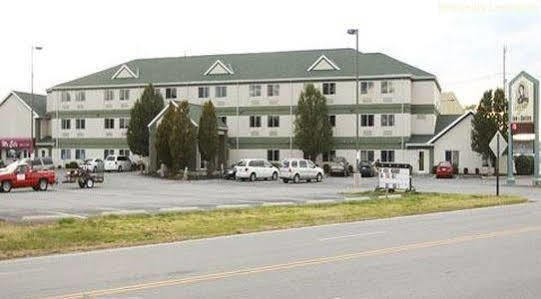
(34, 48)
(356, 33)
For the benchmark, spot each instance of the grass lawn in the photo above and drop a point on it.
(19, 240)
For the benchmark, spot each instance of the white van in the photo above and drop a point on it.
(255, 169)
(117, 163)
(300, 169)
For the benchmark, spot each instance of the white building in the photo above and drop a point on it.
(256, 95)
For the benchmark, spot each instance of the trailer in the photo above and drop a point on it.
(83, 177)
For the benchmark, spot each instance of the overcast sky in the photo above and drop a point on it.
(460, 41)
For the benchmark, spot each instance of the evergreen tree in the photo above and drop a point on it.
(208, 135)
(491, 115)
(313, 131)
(144, 110)
(183, 138)
(163, 134)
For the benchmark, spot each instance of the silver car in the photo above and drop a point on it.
(300, 169)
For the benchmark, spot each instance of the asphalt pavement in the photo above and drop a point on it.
(131, 193)
(481, 253)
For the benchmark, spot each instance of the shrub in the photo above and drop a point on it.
(524, 165)
(2, 165)
(434, 169)
(455, 169)
(326, 168)
(477, 171)
(466, 170)
(350, 168)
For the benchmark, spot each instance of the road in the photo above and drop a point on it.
(481, 253)
(130, 192)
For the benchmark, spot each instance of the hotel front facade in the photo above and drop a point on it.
(256, 96)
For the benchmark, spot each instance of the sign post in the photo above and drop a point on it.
(497, 145)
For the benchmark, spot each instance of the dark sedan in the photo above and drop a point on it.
(367, 169)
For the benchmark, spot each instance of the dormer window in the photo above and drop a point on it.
(219, 68)
(125, 72)
(323, 63)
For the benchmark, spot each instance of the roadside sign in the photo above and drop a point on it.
(498, 144)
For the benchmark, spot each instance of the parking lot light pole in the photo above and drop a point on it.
(32, 143)
(357, 155)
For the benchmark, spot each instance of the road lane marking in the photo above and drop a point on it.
(22, 271)
(301, 263)
(320, 201)
(351, 236)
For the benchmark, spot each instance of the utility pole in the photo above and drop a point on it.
(32, 143)
(510, 177)
(357, 152)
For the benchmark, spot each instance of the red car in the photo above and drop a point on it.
(21, 175)
(444, 170)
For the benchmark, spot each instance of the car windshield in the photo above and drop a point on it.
(110, 158)
(241, 163)
(88, 161)
(445, 164)
(11, 167)
(285, 163)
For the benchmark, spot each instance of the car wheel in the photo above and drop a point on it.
(296, 179)
(81, 184)
(252, 177)
(319, 177)
(90, 183)
(43, 184)
(6, 186)
(119, 168)
(308, 180)
(285, 181)
(275, 176)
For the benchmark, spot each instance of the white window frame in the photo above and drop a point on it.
(124, 95)
(387, 87)
(65, 154)
(273, 121)
(108, 95)
(65, 96)
(123, 122)
(109, 123)
(328, 88)
(387, 152)
(365, 155)
(80, 154)
(332, 120)
(65, 123)
(273, 90)
(256, 123)
(108, 152)
(80, 124)
(171, 93)
(80, 96)
(387, 120)
(273, 154)
(368, 117)
(367, 87)
(254, 90)
(203, 92)
(220, 91)
(124, 152)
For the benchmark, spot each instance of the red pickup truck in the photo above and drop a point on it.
(21, 175)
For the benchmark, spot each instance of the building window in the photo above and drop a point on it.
(221, 91)
(124, 152)
(273, 90)
(108, 152)
(255, 91)
(387, 156)
(224, 120)
(109, 123)
(367, 156)
(123, 123)
(171, 93)
(108, 95)
(366, 87)
(387, 120)
(367, 120)
(80, 96)
(387, 87)
(329, 156)
(65, 154)
(273, 155)
(203, 92)
(66, 124)
(80, 154)
(332, 120)
(80, 124)
(65, 96)
(255, 121)
(329, 88)
(124, 94)
(273, 121)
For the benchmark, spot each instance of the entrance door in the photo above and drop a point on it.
(421, 161)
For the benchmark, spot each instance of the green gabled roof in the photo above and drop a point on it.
(443, 125)
(443, 121)
(195, 115)
(38, 102)
(251, 66)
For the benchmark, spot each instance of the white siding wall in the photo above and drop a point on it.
(15, 119)
(458, 139)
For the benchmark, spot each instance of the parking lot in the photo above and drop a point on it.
(126, 193)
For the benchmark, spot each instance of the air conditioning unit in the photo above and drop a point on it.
(65, 134)
(109, 134)
(80, 106)
(108, 106)
(330, 101)
(387, 100)
(220, 103)
(367, 100)
(124, 105)
(273, 102)
(367, 133)
(65, 107)
(254, 102)
(254, 133)
(80, 135)
(387, 133)
(273, 133)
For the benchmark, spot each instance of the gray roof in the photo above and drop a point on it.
(38, 102)
(195, 115)
(251, 66)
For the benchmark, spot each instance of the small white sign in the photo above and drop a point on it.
(21, 177)
(494, 144)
